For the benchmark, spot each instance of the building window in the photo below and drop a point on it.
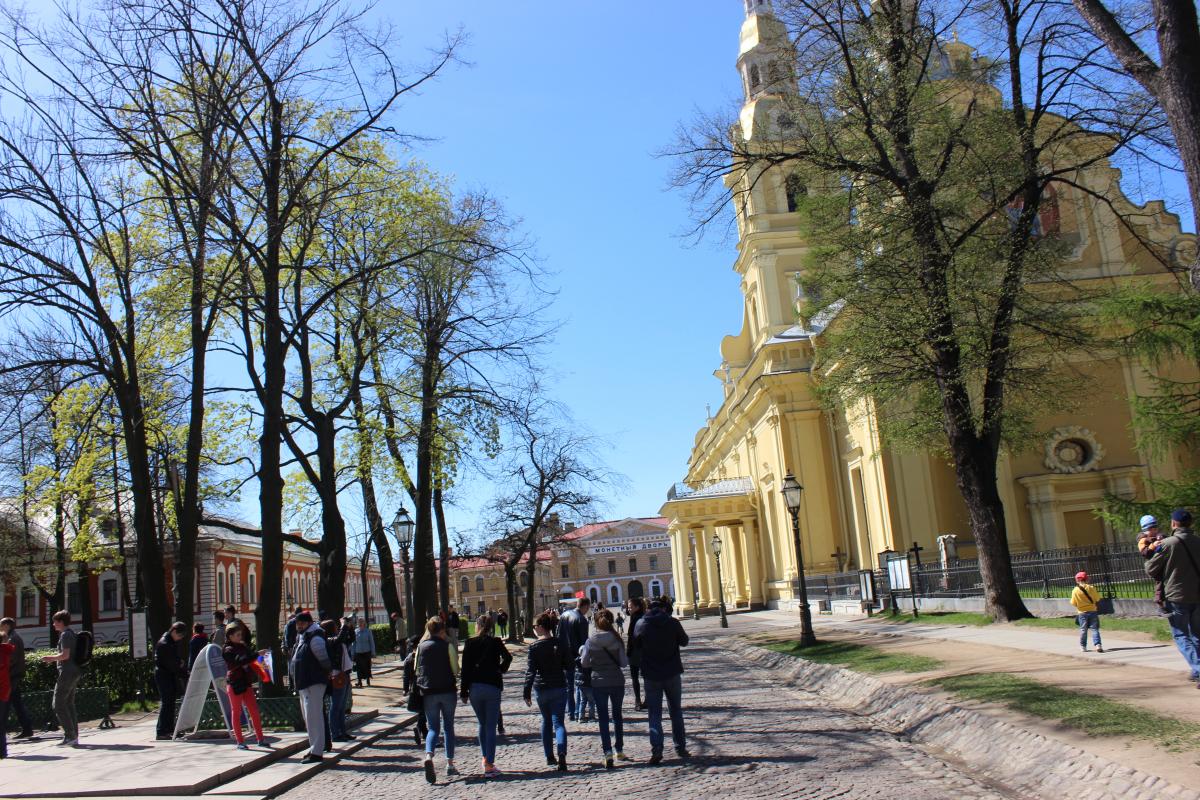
(253, 588)
(614, 595)
(524, 579)
(566, 571)
(633, 564)
(594, 594)
(591, 568)
(653, 563)
(612, 566)
(479, 583)
(74, 599)
(221, 586)
(464, 585)
(795, 189)
(29, 605)
(108, 594)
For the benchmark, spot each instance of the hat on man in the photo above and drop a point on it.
(304, 616)
(1182, 516)
(1149, 521)
(1081, 576)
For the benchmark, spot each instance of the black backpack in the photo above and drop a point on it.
(82, 656)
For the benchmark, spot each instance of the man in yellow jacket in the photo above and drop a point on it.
(1085, 598)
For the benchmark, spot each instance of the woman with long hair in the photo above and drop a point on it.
(239, 683)
(548, 661)
(604, 654)
(485, 659)
(437, 676)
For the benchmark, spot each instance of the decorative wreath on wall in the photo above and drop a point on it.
(1073, 450)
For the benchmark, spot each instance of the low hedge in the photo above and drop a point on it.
(385, 638)
(111, 669)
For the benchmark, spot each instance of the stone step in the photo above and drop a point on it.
(286, 773)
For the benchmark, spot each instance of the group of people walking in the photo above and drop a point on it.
(577, 660)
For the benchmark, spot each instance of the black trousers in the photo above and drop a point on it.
(362, 666)
(168, 691)
(634, 674)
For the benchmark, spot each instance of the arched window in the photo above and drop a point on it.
(594, 594)
(795, 189)
(479, 583)
(253, 588)
(614, 594)
(755, 78)
(524, 579)
(465, 584)
(220, 585)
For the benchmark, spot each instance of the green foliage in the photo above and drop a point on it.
(1159, 325)
(858, 657)
(385, 638)
(111, 668)
(1090, 713)
(1157, 627)
(939, 618)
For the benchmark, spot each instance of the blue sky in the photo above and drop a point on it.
(559, 115)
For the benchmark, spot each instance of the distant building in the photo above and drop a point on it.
(614, 561)
(477, 585)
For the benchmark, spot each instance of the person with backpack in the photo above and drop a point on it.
(170, 677)
(437, 678)
(659, 637)
(70, 670)
(604, 656)
(485, 659)
(547, 673)
(239, 685)
(1177, 564)
(410, 688)
(1086, 599)
(572, 633)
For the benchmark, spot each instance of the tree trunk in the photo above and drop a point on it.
(531, 584)
(976, 473)
(87, 610)
(425, 598)
(510, 588)
(443, 546)
(331, 591)
(383, 549)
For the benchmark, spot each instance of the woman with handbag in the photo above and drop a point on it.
(239, 684)
(339, 680)
(548, 661)
(604, 654)
(437, 676)
(485, 659)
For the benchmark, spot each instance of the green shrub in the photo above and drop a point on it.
(385, 638)
(111, 668)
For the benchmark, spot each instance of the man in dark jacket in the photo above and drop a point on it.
(16, 672)
(658, 637)
(1177, 565)
(310, 667)
(169, 676)
(572, 633)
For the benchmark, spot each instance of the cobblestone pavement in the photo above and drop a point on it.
(749, 738)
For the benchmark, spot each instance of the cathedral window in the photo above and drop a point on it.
(755, 78)
(795, 189)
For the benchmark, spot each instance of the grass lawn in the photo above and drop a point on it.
(938, 618)
(1157, 627)
(858, 657)
(1094, 715)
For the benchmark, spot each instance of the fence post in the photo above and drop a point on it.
(1045, 578)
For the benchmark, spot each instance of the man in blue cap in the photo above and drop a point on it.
(1177, 565)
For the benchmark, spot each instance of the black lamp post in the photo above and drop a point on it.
(691, 562)
(792, 491)
(716, 548)
(403, 526)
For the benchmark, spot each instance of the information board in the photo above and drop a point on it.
(138, 645)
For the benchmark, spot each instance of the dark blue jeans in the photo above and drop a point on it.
(1184, 619)
(572, 706)
(1089, 619)
(553, 704)
(616, 696)
(337, 710)
(439, 711)
(485, 700)
(672, 688)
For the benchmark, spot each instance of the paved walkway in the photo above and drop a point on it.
(749, 738)
(1065, 642)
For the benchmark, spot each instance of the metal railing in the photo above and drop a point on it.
(712, 488)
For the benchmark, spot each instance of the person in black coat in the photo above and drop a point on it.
(169, 676)
(637, 610)
(485, 659)
(546, 672)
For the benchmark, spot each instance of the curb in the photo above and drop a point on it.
(1046, 767)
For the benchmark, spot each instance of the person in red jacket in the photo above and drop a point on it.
(6, 651)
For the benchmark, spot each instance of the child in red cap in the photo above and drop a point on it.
(1085, 599)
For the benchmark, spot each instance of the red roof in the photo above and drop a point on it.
(595, 527)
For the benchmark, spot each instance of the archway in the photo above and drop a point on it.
(636, 590)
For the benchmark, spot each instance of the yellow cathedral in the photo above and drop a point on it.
(860, 498)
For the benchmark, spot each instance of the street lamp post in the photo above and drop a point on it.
(403, 526)
(716, 548)
(691, 562)
(792, 491)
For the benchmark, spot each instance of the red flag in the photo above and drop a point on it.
(579, 595)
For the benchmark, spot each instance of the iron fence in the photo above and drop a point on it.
(1117, 569)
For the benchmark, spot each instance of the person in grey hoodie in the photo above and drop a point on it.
(604, 654)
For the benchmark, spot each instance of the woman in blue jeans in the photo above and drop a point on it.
(604, 654)
(437, 674)
(546, 672)
(485, 659)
